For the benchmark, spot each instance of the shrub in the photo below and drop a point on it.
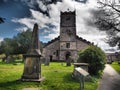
(95, 57)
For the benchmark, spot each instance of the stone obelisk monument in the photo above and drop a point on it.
(32, 65)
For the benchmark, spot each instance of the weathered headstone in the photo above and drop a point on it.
(68, 59)
(32, 65)
(82, 73)
(9, 59)
(83, 66)
(47, 62)
(68, 62)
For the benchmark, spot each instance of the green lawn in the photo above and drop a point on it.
(116, 66)
(58, 77)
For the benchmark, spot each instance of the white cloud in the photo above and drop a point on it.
(41, 5)
(27, 22)
(82, 13)
(21, 29)
(51, 36)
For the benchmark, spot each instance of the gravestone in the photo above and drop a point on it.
(9, 59)
(82, 74)
(32, 65)
(68, 59)
(81, 71)
(47, 62)
(83, 66)
(68, 62)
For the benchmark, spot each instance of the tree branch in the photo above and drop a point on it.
(110, 24)
(104, 5)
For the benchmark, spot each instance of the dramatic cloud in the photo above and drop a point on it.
(47, 14)
(54, 14)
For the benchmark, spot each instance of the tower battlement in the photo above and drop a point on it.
(68, 13)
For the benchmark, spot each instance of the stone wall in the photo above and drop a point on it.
(63, 46)
(73, 55)
(81, 45)
(56, 52)
(51, 50)
(67, 34)
(67, 42)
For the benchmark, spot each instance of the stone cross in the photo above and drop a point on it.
(32, 65)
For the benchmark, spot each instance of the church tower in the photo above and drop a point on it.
(68, 41)
(66, 46)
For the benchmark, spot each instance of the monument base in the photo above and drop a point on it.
(32, 80)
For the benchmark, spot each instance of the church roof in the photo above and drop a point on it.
(53, 40)
(84, 40)
(77, 37)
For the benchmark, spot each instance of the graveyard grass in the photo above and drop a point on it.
(58, 77)
(116, 66)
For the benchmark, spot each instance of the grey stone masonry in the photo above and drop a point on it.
(32, 65)
(67, 45)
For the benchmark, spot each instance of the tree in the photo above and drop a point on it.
(23, 41)
(7, 46)
(19, 44)
(95, 57)
(107, 18)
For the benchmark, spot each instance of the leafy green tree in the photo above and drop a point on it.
(7, 46)
(95, 57)
(23, 41)
(19, 44)
(1, 48)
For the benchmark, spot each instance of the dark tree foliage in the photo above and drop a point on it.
(95, 57)
(107, 18)
(2, 20)
(23, 41)
(19, 44)
(7, 46)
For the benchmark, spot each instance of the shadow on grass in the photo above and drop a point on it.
(69, 79)
(17, 85)
(67, 83)
(10, 83)
(16, 62)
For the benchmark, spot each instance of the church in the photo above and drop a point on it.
(67, 44)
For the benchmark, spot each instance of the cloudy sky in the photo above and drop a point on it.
(22, 14)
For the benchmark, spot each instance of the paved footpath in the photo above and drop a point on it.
(110, 79)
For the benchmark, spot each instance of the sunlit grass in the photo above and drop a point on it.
(116, 66)
(57, 77)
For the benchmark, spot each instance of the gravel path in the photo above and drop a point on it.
(110, 79)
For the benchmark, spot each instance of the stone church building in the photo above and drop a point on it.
(67, 44)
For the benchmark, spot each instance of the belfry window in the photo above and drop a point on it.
(67, 45)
